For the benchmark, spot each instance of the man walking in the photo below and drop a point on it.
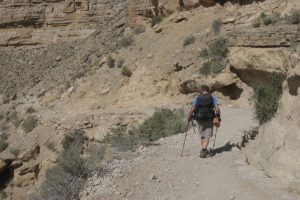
(205, 108)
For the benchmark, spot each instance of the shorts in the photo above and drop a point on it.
(205, 129)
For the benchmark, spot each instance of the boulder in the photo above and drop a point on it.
(254, 65)
(7, 157)
(191, 85)
(157, 28)
(222, 80)
(25, 180)
(183, 16)
(228, 20)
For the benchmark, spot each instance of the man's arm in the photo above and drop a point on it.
(193, 108)
(216, 105)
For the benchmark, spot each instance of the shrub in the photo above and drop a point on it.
(3, 142)
(5, 99)
(156, 20)
(216, 53)
(266, 98)
(14, 118)
(204, 53)
(218, 49)
(66, 179)
(189, 40)
(30, 110)
(121, 140)
(78, 74)
(294, 18)
(1, 116)
(75, 137)
(216, 26)
(126, 41)
(29, 123)
(139, 30)
(256, 24)
(120, 63)
(126, 71)
(205, 69)
(50, 146)
(110, 62)
(267, 20)
(14, 151)
(162, 123)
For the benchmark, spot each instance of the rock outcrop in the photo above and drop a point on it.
(40, 22)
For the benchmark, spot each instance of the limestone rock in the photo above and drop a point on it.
(157, 28)
(191, 85)
(7, 157)
(222, 80)
(25, 180)
(228, 20)
(183, 16)
(252, 65)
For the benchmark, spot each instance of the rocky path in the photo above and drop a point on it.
(159, 173)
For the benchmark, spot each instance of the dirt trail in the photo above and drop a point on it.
(159, 173)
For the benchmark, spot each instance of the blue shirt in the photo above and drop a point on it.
(213, 97)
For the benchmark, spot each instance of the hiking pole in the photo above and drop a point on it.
(187, 128)
(211, 155)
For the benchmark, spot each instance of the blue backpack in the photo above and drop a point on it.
(204, 109)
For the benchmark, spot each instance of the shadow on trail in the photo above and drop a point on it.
(226, 148)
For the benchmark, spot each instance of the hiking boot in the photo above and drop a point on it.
(203, 153)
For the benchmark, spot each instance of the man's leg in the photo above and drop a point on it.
(207, 132)
(205, 143)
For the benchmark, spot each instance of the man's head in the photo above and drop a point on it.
(205, 88)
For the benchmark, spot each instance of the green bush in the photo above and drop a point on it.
(1, 116)
(29, 123)
(110, 62)
(294, 18)
(189, 40)
(67, 178)
(14, 118)
(162, 123)
(256, 24)
(126, 41)
(266, 98)
(30, 110)
(50, 146)
(122, 140)
(218, 65)
(216, 26)
(218, 49)
(126, 71)
(75, 137)
(156, 20)
(216, 54)
(138, 30)
(206, 69)
(267, 20)
(3, 142)
(120, 63)
(14, 151)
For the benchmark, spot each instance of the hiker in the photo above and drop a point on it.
(204, 110)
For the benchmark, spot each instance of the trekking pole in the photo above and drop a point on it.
(211, 155)
(187, 128)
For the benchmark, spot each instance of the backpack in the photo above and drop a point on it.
(204, 110)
